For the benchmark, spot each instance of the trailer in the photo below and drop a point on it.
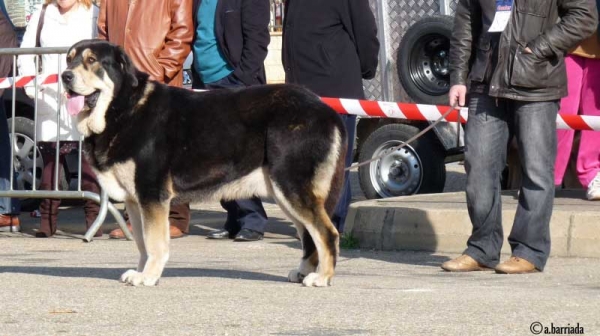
(413, 67)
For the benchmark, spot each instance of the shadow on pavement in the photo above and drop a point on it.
(115, 273)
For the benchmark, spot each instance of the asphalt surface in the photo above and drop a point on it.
(62, 286)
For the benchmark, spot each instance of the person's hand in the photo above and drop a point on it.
(457, 94)
(527, 50)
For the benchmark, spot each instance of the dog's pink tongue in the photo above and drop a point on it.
(75, 104)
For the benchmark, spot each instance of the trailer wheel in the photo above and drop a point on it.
(423, 58)
(416, 168)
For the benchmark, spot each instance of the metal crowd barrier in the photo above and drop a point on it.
(102, 199)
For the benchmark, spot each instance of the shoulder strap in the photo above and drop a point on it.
(40, 25)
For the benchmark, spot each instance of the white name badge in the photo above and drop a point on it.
(503, 10)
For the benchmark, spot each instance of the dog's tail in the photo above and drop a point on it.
(337, 180)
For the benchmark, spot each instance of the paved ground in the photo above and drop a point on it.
(64, 286)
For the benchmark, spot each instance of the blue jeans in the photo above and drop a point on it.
(490, 122)
(341, 210)
(247, 213)
(7, 205)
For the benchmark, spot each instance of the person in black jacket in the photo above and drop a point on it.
(8, 207)
(516, 75)
(230, 47)
(330, 47)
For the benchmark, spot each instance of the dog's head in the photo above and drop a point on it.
(96, 72)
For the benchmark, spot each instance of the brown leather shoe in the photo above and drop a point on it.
(464, 263)
(9, 223)
(516, 265)
(174, 232)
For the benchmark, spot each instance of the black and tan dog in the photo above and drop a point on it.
(150, 144)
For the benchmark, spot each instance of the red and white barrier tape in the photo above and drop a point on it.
(367, 108)
(22, 81)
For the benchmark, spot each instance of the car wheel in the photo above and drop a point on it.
(24, 159)
(423, 59)
(416, 168)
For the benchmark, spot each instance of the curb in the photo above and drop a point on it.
(440, 223)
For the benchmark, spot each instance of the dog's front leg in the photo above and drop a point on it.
(154, 250)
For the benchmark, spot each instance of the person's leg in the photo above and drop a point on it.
(570, 105)
(535, 126)
(486, 140)
(49, 207)
(341, 210)
(179, 217)
(8, 206)
(90, 183)
(241, 214)
(251, 214)
(588, 159)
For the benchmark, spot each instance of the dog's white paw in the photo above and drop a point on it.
(316, 280)
(295, 276)
(135, 278)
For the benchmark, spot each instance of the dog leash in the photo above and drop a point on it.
(415, 137)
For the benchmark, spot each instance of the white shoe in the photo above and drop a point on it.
(593, 192)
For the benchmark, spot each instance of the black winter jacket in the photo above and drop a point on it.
(242, 30)
(330, 46)
(497, 64)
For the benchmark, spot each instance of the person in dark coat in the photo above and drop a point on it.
(330, 47)
(8, 207)
(230, 46)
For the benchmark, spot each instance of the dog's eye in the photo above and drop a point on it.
(91, 59)
(69, 59)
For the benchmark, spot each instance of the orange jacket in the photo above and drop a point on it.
(156, 34)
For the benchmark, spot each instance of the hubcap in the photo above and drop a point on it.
(24, 148)
(397, 174)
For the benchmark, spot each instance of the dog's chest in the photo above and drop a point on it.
(119, 181)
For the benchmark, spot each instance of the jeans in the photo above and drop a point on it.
(341, 210)
(247, 213)
(490, 122)
(7, 205)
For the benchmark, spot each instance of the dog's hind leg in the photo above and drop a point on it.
(135, 218)
(319, 238)
(310, 258)
(155, 226)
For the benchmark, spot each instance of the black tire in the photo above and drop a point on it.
(416, 168)
(423, 60)
(23, 163)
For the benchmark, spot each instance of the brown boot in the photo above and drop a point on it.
(49, 212)
(464, 263)
(516, 265)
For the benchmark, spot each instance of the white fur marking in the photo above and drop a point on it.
(253, 184)
(119, 181)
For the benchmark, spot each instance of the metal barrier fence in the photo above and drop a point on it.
(102, 199)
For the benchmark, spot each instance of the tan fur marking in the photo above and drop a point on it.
(325, 171)
(147, 91)
(86, 82)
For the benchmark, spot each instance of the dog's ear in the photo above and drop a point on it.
(127, 65)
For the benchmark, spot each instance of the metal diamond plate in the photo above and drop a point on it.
(394, 17)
